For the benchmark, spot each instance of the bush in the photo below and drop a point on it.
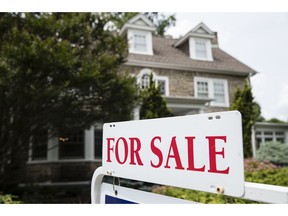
(9, 199)
(274, 152)
(255, 171)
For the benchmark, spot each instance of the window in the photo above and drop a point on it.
(140, 42)
(143, 80)
(39, 145)
(162, 86)
(71, 144)
(202, 88)
(200, 49)
(271, 136)
(98, 134)
(212, 88)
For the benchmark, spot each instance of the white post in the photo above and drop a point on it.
(253, 139)
(89, 144)
(53, 149)
(96, 185)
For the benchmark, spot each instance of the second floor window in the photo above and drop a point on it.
(212, 88)
(143, 80)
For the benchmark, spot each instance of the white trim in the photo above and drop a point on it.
(166, 80)
(211, 82)
(139, 63)
(128, 27)
(143, 18)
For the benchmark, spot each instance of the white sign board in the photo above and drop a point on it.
(202, 152)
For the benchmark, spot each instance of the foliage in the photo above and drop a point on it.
(255, 171)
(9, 199)
(274, 152)
(275, 120)
(153, 104)
(160, 20)
(57, 71)
(250, 111)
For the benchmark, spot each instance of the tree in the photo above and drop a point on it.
(160, 20)
(250, 111)
(57, 71)
(153, 104)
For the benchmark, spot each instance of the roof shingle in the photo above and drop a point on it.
(166, 53)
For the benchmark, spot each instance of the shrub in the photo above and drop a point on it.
(9, 199)
(274, 152)
(255, 171)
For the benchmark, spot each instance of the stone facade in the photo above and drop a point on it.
(181, 82)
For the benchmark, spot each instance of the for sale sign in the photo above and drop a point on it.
(201, 152)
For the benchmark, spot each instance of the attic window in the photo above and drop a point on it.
(200, 49)
(140, 42)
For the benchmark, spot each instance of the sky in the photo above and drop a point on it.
(259, 40)
(252, 31)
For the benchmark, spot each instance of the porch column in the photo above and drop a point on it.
(89, 144)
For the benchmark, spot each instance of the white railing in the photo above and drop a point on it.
(263, 193)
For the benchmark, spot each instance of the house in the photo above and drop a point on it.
(194, 74)
(268, 132)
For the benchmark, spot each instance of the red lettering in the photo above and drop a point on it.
(191, 165)
(135, 151)
(173, 148)
(109, 148)
(125, 145)
(157, 152)
(213, 153)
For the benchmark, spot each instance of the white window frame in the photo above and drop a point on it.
(192, 49)
(156, 78)
(211, 82)
(131, 41)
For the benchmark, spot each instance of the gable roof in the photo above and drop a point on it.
(201, 30)
(166, 55)
(139, 22)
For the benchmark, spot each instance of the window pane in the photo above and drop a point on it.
(201, 50)
(39, 146)
(140, 42)
(145, 81)
(98, 143)
(162, 86)
(202, 88)
(71, 144)
(219, 92)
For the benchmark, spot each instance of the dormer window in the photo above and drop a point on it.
(199, 41)
(200, 49)
(138, 31)
(140, 42)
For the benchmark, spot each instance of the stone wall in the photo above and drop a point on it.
(181, 83)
